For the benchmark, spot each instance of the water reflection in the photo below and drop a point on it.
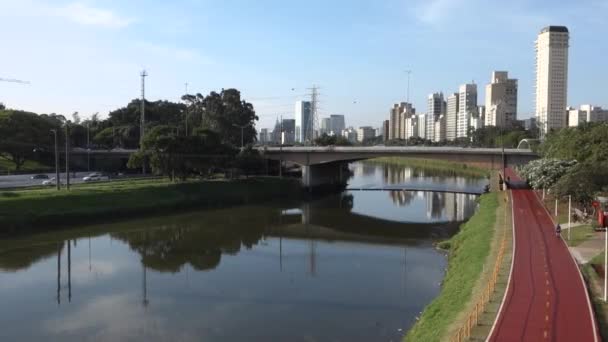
(357, 266)
(390, 176)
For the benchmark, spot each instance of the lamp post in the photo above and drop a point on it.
(67, 155)
(57, 180)
(242, 132)
(501, 126)
(88, 146)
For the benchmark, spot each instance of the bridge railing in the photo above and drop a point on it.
(473, 317)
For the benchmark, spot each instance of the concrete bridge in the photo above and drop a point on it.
(324, 165)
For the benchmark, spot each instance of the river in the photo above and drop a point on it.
(357, 266)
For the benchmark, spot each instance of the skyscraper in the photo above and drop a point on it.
(304, 127)
(552, 78)
(325, 126)
(336, 123)
(451, 119)
(467, 109)
(435, 121)
(501, 100)
(289, 131)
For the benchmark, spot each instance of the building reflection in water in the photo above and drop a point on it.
(445, 206)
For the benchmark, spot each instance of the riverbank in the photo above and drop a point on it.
(468, 252)
(448, 167)
(26, 210)
(595, 285)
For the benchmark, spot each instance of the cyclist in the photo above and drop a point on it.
(558, 230)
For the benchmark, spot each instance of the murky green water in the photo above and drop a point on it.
(358, 266)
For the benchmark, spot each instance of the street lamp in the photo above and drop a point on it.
(242, 132)
(502, 138)
(57, 180)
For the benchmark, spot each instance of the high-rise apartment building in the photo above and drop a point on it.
(501, 100)
(551, 78)
(435, 121)
(365, 132)
(398, 115)
(467, 109)
(451, 118)
(421, 118)
(304, 122)
(385, 130)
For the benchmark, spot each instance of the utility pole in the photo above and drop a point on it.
(408, 72)
(88, 146)
(67, 155)
(57, 179)
(142, 129)
(186, 111)
(281, 149)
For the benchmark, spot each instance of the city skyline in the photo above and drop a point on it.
(86, 56)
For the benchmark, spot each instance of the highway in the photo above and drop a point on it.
(22, 181)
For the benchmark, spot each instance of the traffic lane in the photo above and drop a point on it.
(19, 181)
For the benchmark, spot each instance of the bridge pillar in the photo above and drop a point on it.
(329, 176)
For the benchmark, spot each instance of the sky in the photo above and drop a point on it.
(86, 55)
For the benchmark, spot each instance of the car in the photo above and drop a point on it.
(95, 177)
(51, 181)
(41, 176)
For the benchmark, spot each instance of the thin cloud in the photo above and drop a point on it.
(435, 11)
(86, 15)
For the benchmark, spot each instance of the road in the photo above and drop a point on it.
(21, 181)
(546, 299)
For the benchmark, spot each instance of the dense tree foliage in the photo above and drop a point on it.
(575, 162)
(181, 156)
(25, 135)
(335, 140)
(225, 113)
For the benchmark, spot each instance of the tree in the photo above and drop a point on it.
(545, 173)
(333, 140)
(224, 113)
(180, 156)
(22, 134)
(583, 182)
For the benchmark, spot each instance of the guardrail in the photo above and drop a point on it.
(464, 332)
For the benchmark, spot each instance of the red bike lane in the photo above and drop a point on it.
(546, 299)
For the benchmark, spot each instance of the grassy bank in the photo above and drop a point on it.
(595, 285)
(434, 165)
(469, 250)
(27, 209)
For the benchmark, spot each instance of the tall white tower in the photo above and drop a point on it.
(552, 78)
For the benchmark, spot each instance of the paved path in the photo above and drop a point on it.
(546, 299)
(588, 249)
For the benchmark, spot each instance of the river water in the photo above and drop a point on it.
(358, 266)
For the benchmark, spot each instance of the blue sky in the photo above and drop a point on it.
(86, 56)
